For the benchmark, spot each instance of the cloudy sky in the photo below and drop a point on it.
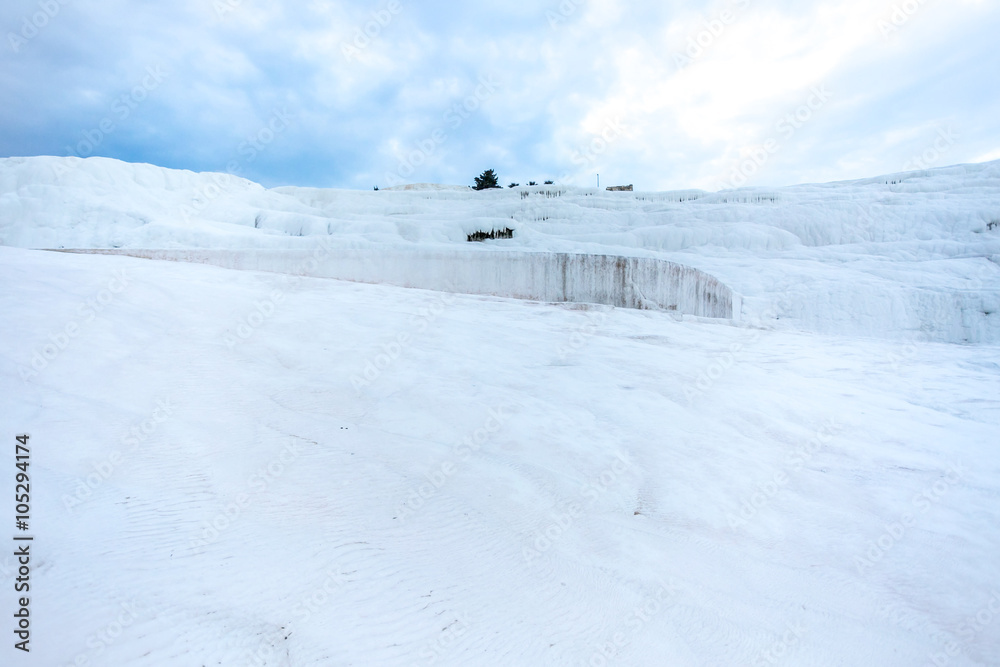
(665, 94)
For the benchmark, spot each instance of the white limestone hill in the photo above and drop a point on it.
(905, 256)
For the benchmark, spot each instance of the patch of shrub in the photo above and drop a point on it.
(494, 234)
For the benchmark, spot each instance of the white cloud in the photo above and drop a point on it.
(562, 85)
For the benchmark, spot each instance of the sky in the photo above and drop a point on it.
(664, 95)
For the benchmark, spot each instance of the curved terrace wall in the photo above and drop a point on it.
(624, 282)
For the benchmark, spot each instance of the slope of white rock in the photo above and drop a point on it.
(911, 256)
(787, 456)
(245, 468)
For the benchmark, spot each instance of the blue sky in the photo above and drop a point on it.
(664, 95)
